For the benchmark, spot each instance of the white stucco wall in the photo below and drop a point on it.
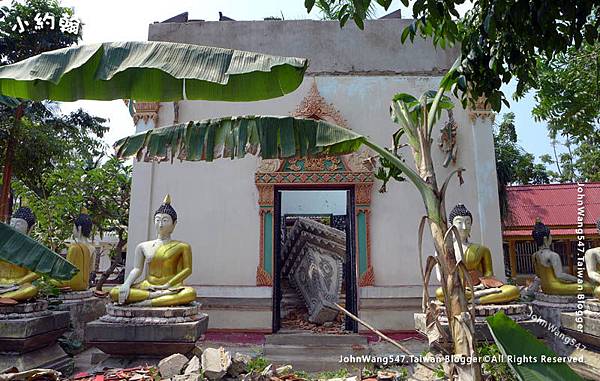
(217, 202)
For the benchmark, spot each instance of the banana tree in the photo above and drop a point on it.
(146, 71)
(284, 137)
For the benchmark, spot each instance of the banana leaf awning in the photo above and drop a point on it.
(21, 250)
(151, 71)
(269, 137)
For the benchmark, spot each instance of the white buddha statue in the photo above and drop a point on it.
(592, 261)
(478, 261)
(548, 267)
(168, 263)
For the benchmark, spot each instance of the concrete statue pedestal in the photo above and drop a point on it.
(583, 326)
(549, 309)
(28, 337)
(83, 308)
(519, 312)
(147, 331)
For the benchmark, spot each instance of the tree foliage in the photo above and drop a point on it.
(513, 164)
(45, 138)
(104, 190)
(16, 45)
(500, 39)
(568, 100)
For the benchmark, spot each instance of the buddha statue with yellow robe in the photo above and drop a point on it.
(548, 267)
(167, 262)
(15, 281)
(478, 261)
(80, 254)
(592, 263)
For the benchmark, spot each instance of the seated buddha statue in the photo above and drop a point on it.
(15, 281)
(478, 261)
(80, 254)
(548, 267)
(167, 262)
(592, 262)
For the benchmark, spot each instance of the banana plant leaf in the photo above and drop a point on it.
(151, 71)
(21, 250)
(515, 341)
(269, 137)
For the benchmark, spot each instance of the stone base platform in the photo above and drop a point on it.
(28, 334)
(147, 331)
(83, 308)
(583, 326)
(519, 312)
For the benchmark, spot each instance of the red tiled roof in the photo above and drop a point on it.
(555, 204)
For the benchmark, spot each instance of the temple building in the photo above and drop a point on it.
(235, 214)
(560, 206)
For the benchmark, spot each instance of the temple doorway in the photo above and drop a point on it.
(314, 259)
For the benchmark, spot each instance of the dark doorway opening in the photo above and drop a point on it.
(332, 206)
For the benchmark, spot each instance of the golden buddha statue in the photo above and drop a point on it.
(79, 253)
(548, 267)
(15, 281)
(478, 261)
(168, 264)
(592, 263)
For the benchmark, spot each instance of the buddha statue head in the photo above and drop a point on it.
(541, 234)
(82, 226)
(23, 220)
(462, 218)
(165, 218)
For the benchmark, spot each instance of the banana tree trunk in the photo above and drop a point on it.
(9, 156)
(6, 177)
(461, 328)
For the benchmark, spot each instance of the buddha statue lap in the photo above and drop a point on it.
(478, 261)
(15, 281)
(80, 254)
(548, 267)
(168, 264)
(592, 262)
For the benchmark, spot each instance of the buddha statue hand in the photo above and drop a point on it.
(4, 288)
(485, 292)
(123, 293)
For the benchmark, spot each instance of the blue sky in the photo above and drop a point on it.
(117, 20)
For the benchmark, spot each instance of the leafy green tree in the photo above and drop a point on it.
(568, 100)
(500, 39)
(71, 185)
(26, 29)
(45, 138)
(513, 164)
(17, 44)
(104, 190)
(341, 11)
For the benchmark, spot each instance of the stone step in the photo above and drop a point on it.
(311, 364)
(309, 338)
(314, 351)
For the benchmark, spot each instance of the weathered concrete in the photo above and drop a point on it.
(82, 311)
(50, 357)
(28, 334)
(314, 256)
(30, 342)
(147, 331)
(376, 49)
(518, 312)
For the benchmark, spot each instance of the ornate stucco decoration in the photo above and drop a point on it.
(481, 109)
(145, 111)
(448, 143)
(351, 170)
(316, 107)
